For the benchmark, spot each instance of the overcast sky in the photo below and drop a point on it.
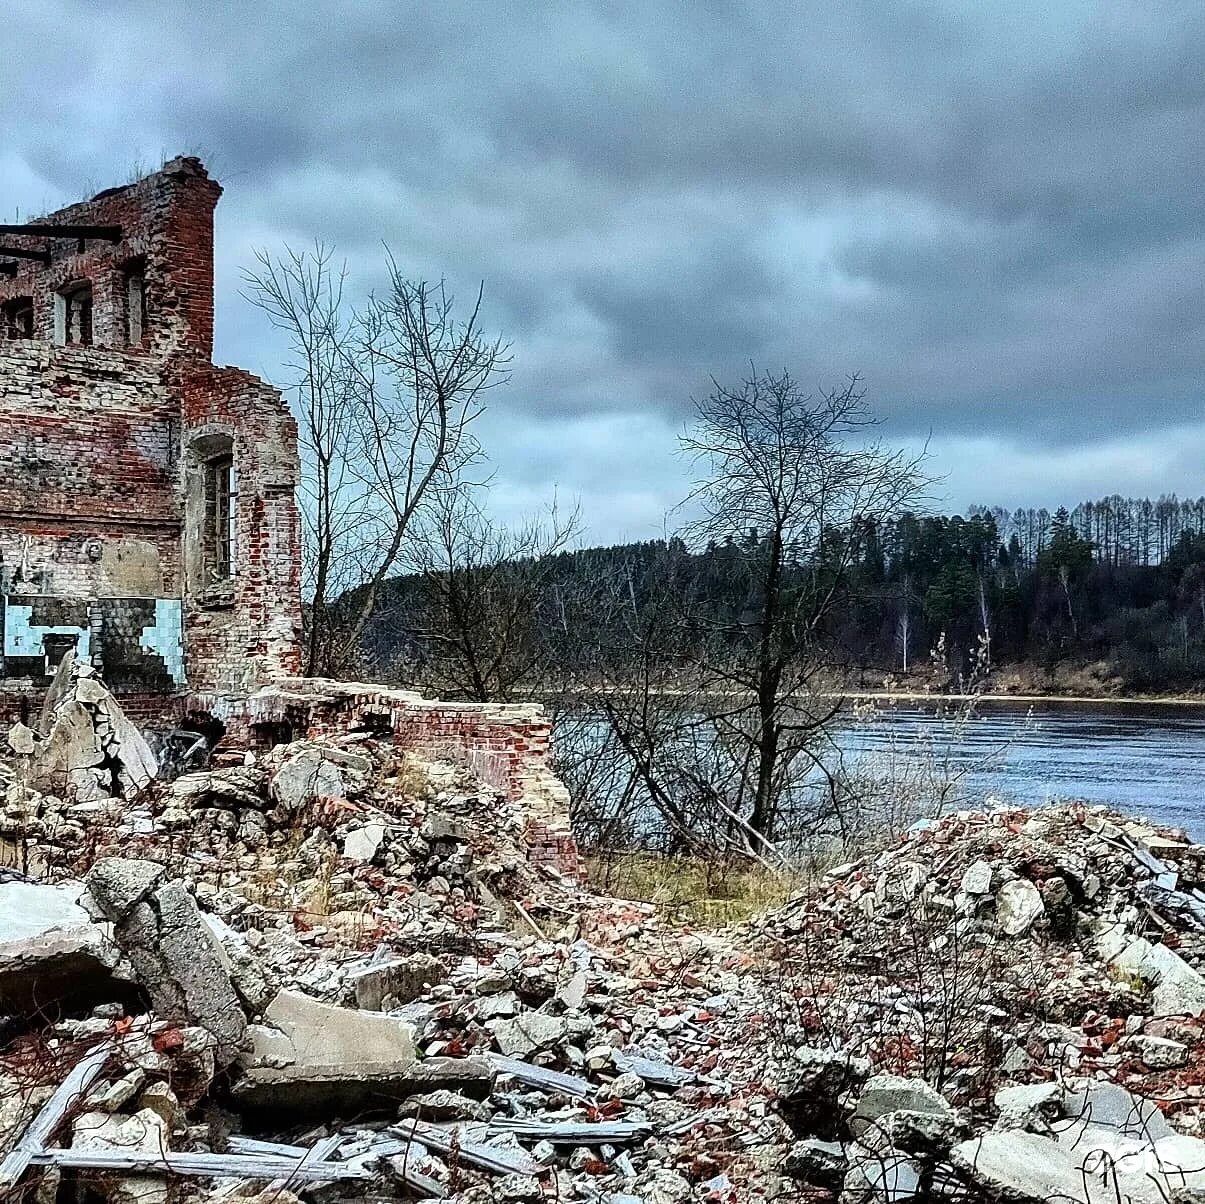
(994, 213)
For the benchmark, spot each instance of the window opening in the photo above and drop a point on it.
(77, 316)
(221, 496)
(18, 318)
(135, 306)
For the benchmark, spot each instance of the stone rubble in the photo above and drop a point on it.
(331, 971)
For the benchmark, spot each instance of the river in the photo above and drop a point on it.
(1144, 759)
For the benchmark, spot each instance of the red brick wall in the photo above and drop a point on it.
(256, 636)
(94, 440)
(167, 222)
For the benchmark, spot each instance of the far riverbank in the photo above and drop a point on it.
(1053, 700)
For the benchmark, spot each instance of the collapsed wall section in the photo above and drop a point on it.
(508, 745)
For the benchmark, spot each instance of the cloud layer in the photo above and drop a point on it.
(993, 214)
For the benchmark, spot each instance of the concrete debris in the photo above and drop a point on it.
(145, 1132)
(313, 1057)
(173, 951)
(345, 972)
(91, 750)
(1018, 905)
(51, 950)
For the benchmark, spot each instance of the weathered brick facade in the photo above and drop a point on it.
(147, 509)
(147, 504)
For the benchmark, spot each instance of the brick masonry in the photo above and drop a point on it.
(102, 451)
(507, 744)
(107, 524)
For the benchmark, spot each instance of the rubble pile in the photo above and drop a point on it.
(363, 971)
(329, 971)
(1043, 970)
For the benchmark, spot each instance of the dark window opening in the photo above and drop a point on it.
(56, 646)
(221, 498)
(18, 318)
(135, 299)
(77, 316)
(272, 733)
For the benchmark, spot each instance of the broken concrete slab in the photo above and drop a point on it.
(362, 844)
(1179, 990)
(1032, 1106)
(316, 771)
(173, 951)
(145, 1132)
(1159, 1053)
(52, 953)
(386, 985)
(888, 1093)
(91, 748)
(1106, 1106)
(118, 884)
(977, 880)
(810, 1099)
(1018, 904)
(527, 1033)
(311, 1055)
(1023, 1168)
(22, 740)
(237, 786)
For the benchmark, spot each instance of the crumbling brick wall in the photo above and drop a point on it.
(112, 417)
(508, 745)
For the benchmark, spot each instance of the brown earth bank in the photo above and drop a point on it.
(1023, 682)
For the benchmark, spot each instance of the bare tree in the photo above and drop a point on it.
(792, 469)
(489, 610)
(717, 698)
(387, 394)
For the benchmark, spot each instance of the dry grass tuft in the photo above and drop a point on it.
(709, 892)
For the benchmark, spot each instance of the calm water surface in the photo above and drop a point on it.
(1144, 759)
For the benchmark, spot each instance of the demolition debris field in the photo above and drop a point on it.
(330, 971)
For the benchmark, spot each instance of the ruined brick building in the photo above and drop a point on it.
(148, 518)
(147, 511)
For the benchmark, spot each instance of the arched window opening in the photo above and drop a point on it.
(212, 549)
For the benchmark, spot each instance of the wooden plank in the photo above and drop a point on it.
(48, 230)
(660, 1074)
(68, 1093)
(401, 1166)
(239, 1166)
(474, 1153)
(538, 1076)
(573, 1132)
(273, 1149)
(26, 253)
(706, 1117)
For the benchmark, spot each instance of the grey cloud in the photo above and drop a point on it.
(992, 213)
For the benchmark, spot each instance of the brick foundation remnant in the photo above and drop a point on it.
(148, 518)
(507, 745)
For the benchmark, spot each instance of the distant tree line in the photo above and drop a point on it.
(1120, 580)
(694, 681)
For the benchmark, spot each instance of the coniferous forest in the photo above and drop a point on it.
(1116, 584)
